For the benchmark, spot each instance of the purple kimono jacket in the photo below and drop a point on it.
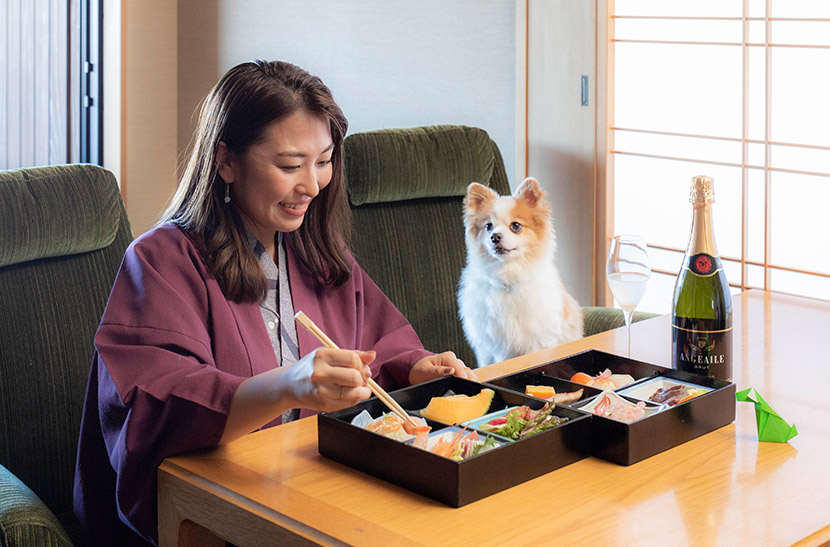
(170, 352)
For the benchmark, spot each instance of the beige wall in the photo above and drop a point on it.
(389, 63)
(149, 96)
(198, 61)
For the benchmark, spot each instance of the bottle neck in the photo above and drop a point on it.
(702, 238)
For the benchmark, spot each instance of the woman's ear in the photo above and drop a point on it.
(224, 162)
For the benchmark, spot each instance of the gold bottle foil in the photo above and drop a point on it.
(702, 195)
(702, 191)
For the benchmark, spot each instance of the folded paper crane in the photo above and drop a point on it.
(771, 427)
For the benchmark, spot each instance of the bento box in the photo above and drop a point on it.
(703, 404)
(455, 483)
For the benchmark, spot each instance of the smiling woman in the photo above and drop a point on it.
(263, 116)
(274, 181)
(197, 346)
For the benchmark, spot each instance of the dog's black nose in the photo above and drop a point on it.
(495, 238)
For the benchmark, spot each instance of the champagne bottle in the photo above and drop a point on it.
(702, 303)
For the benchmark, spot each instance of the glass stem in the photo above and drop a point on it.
(627, 315)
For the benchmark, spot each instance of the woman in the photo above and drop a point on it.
(197, 345)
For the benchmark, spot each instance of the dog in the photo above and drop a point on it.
(511, 299)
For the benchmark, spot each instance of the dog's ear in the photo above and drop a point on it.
(477, 196)
(530, 191)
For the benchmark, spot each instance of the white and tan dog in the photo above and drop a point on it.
(511, 299)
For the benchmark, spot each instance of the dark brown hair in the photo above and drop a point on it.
(245, 101)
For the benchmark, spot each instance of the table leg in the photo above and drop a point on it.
(188, 516)
(175, 530)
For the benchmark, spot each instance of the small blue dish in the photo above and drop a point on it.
(478, 422)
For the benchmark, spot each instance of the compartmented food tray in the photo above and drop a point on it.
(452, 482)
(709, 403)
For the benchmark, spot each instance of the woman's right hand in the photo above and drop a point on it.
(325, 380)
(329, 379)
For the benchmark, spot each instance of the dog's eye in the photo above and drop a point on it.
(515, 227)
(488, 226)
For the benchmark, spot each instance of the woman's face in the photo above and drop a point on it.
(274, 181)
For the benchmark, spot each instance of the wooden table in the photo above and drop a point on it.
(724, 488)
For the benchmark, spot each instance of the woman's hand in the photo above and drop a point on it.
(329, 379)
(438, 365)
(325, 379)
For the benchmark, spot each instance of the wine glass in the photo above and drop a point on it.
(628, 271)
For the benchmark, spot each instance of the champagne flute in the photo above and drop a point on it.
(628, 272)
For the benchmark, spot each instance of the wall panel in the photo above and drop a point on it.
(561, 132)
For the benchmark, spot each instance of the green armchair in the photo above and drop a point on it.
(406, 187)
(63, 233)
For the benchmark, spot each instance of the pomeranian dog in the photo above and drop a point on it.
(511, 300)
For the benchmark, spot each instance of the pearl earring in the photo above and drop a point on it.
(227, 192)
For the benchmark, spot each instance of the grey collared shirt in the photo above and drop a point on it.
(277, 308)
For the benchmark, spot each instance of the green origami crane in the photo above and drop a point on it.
(771, 427)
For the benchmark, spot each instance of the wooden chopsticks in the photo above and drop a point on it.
(379, 392)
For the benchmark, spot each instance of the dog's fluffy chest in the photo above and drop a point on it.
(513, 295)
(509, 315)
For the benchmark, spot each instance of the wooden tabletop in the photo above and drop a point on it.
(724, 488)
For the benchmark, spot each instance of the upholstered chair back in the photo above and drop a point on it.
(63, 233)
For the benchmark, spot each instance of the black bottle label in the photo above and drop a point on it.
(704, 265)
(703, 346)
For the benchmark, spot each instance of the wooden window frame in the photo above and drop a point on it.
(606, 150)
